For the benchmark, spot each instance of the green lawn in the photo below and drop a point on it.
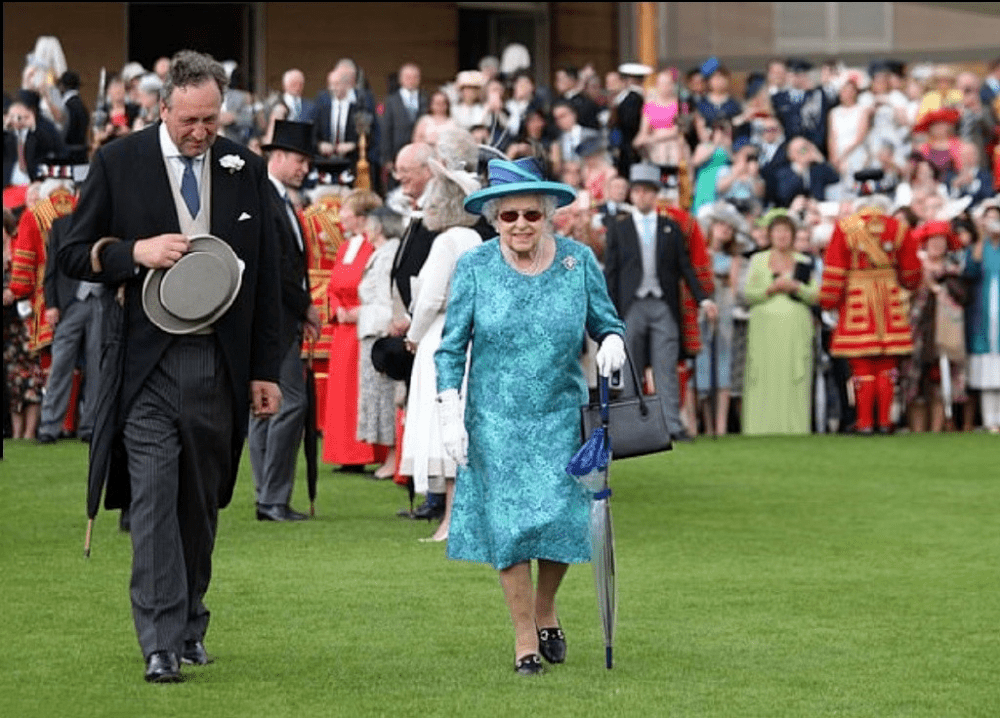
(814, 576)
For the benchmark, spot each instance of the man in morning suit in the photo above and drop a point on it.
(644, 258)
(274, 442)
(179, 418)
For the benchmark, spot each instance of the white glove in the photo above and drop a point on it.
(453, 435)
(611, 355)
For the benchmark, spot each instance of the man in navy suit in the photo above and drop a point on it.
(293, 82)
(402, 110)
(175, 428)
(644, 259)
(802, 108)
(334, 130)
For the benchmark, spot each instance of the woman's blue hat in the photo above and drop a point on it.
(523, 176)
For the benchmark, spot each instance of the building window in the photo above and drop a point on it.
(832, 27)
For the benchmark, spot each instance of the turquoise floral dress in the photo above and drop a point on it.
(514, 501)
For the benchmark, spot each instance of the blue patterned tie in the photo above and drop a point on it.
(189, 187)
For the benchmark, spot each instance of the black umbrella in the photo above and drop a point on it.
(310, 436)
(104, 441)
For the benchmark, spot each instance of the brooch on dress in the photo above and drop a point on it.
(569, 262)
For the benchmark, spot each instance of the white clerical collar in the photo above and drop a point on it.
(169, 149)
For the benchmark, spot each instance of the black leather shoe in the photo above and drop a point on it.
(682, 437)
(529, 665)
(46, 439)
(430, 511)
(194, 654)
(552, 644)
(162, 667)
(278, 512)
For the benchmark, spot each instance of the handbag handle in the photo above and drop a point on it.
(603, 389)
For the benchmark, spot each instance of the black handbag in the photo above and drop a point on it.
(635, 425)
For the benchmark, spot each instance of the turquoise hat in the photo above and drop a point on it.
(523, 176)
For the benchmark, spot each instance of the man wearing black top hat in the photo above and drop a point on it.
(163, 211)
(273, 442)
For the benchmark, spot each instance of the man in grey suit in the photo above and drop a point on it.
(644, 260)
(274, 441)
(402, 109)
(173, 429)
(74, 309)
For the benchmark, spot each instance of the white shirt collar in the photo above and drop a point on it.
(282, 192)
(169, 149)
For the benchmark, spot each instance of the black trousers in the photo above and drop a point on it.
(178, 436)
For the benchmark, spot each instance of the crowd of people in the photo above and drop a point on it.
(799, 141)
(818, 253)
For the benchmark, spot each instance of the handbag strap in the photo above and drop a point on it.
(602, 383)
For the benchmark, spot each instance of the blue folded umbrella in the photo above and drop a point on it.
(594, 455)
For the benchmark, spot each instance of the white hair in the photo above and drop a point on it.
(491, 209)
(51, 185)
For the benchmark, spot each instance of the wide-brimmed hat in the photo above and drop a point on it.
(197, 290)
(466, 181)
(725, 213)
(938, 228)
(470, 78)
(508, 178)
(948, 115)
(291, 136)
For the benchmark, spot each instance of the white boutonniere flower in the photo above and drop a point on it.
(233, 163)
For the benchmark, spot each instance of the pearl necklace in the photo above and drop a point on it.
(511, 258)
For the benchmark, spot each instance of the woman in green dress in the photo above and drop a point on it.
(781, 286)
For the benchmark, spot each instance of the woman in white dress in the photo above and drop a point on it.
(849, 125)
(423, 456)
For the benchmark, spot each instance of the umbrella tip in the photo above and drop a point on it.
(607, 657)
(312, 509)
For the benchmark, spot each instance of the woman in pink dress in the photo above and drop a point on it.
(658, 140)
(340, 445)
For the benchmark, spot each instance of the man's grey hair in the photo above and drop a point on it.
(491, 210)
(444, 207)
(189, 68)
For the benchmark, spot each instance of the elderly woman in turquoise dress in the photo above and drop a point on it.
(519, 308)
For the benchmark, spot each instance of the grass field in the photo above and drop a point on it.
(813, 576)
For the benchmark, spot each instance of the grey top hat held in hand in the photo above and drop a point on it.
(194, 293)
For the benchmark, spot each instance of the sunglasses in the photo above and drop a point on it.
(511, 215)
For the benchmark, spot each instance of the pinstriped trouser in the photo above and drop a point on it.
(178, 435)
(652, 335)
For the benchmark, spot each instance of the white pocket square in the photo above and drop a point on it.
(243, 216)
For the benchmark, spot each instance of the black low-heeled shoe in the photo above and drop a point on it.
(529, 665)
(552, 644)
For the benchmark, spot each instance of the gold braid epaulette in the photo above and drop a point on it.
(860, 241)
(45, 213)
